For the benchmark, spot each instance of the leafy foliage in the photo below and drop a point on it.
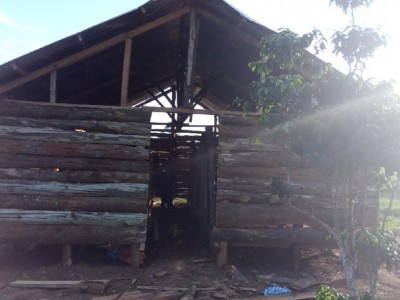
(328, 293)
(347, 126)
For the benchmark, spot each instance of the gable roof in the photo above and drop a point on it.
(89, 63)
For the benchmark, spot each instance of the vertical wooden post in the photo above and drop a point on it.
(53, 86)
(135, 255)
(191, 57)
(222, 256)
(125, 71)
(66, 255)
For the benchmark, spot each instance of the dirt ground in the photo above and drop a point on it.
(169, 263)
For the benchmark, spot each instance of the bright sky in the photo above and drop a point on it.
(26, 25)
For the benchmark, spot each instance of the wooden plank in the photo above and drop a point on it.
(74, 176)
(46, 284)
(296, 296)
(88, 52)
(299, 174)
(247, 145)
(134, 190)
(59, 135)
(67, 255)
(125, 71)
(71, 163)
(42, 217)
(262, 215)
(239, 131)
(191, 56)
(44, 110)
(45, 147)
(73, 203)
(53, 86)
(273, 237)
(273, 159)
(222, 256)
(132, 128)
(61, 234)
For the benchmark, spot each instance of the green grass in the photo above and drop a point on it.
(393, 221)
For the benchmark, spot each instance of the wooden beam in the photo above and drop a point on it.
(125, 71)
(88, 52)
(198, 111)
(191, 56)
(53, 86)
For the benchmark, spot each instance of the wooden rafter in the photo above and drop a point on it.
(88, 52)
(191, 56)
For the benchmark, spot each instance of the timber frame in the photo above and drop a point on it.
(78, 149)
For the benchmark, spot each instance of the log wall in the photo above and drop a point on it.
(73, 174)
(255, 179)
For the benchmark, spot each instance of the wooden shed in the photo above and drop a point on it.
(82, 149)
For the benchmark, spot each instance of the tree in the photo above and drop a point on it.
(345, 125)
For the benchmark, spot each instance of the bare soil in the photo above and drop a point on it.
(169, 263)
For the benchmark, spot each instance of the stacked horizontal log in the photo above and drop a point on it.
(73, 174)
(250, 209)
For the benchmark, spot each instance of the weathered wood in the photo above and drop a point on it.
(71, 163)
(222, 256)
(247, 145)
(70, 149)
(273, 237)
(59, 135)
(88, 52)
(67, 255)
(74, 176)
(61, 234)
(270, 159)
(163, 295)
(83, 285)
(133, 190)
(260, 215)
(135, 256)
(44, 110)
(125, 71)
(46, 284)
(239, 131)
(133, 128)
(296, 296)
(191, 56)
(42, 217)
(53, 86)
(73, 203)
(296, 174)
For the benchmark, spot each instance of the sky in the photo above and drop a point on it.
(26, 25)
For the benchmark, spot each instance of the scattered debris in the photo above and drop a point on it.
(220, 296)
(161, 274)
(235, 275)
(247, 289)
(166, 288)
(200, 260)
(189, 295)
